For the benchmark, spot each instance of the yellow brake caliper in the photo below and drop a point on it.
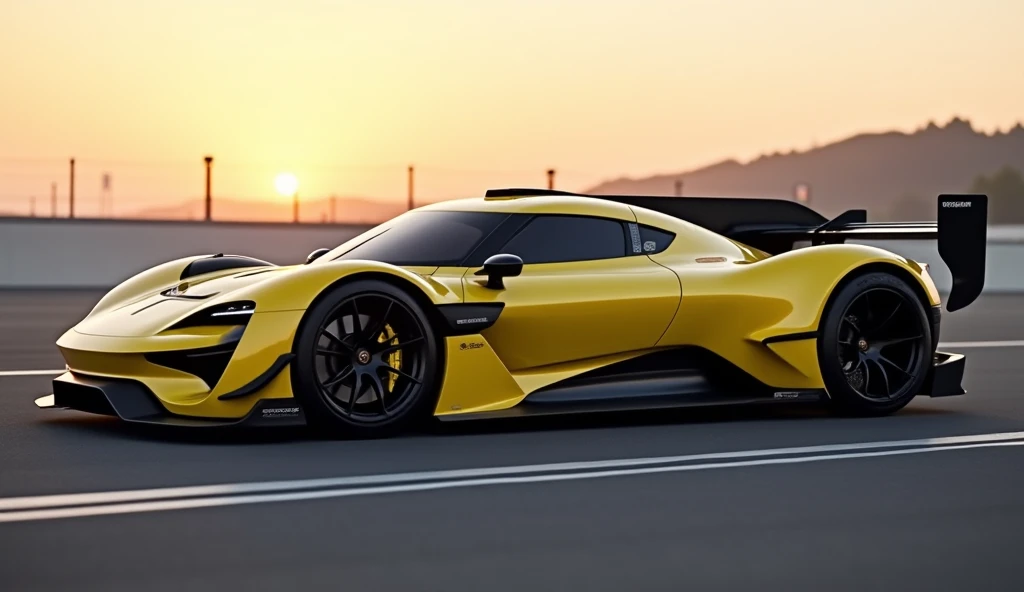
(394, 358)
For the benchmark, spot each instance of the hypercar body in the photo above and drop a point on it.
(531, 302)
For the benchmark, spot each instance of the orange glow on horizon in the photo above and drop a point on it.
(475, 94)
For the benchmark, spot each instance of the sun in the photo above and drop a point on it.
(286, 184)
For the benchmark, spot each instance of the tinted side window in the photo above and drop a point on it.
(428, 238)
(551, 239)
(654, 240)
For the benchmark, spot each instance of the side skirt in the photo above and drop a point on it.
(528, 409)
(670, 379)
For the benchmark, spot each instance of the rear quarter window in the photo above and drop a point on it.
(654, 240)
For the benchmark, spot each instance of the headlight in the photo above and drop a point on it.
(230, 313)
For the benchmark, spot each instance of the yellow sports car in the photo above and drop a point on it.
(533, 302)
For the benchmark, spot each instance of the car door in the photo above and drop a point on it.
(582, 294)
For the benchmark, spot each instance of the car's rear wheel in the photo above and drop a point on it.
(875, 345)
(366, 361)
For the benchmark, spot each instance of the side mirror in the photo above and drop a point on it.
(316, 255)
(500, 266)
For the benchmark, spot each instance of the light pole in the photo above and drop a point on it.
(209, 197)
(71, 190)
(802, 193)
(409, 204)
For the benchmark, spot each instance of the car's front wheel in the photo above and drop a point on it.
(366, 361)
(875, 345)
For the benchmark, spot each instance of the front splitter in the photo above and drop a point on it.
(132, 402)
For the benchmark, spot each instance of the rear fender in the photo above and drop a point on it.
(763, 316)
(813, 274)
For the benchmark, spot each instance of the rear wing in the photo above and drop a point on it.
(961, 230)
(777, 225)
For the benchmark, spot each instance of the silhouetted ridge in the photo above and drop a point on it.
(892, 174)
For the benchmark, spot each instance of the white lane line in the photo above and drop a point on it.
(221, 489)
(209, 502)
(951, 344)
(32, 372)
(241, 490)
(978, 344)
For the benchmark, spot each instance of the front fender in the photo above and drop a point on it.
(144, 283)
(299, 287)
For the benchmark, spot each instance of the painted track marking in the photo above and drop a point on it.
(952, 345)
(981, 344)
(48, 507)
(32, 372)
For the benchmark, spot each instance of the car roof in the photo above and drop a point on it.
(537, 204)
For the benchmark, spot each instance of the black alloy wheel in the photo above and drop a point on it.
(366, 361)
(875, 345)
(369, 357)
(881, 343)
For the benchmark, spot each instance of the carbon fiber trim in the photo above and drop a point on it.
(134, 403)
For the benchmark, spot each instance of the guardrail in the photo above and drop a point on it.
(1007, 234)
(88, 253)
(1004, 265)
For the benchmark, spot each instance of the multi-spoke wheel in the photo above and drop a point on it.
(366, 360)
(875, 346)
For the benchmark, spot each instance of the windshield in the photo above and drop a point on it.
(421, 238)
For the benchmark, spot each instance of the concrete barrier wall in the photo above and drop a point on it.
(60, 253)
(1004, 269)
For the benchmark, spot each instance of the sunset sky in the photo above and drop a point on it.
(476, 93)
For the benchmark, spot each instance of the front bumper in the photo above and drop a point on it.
(132, 402)
(200, 372)
(946, 375)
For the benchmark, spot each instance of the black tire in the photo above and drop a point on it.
(875, 345)
(372, 340)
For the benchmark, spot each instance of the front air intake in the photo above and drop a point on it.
(207, 363)
(81, 397)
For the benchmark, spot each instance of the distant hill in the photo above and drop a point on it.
(352, 210)
(894, 175)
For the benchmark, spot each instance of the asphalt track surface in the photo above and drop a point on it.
(904, 516)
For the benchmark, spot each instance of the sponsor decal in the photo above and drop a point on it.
(472, 321)
(281, 412)
(650, 246)
(787, 395)
(471, 345)
(634, 235)
(956, 204)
